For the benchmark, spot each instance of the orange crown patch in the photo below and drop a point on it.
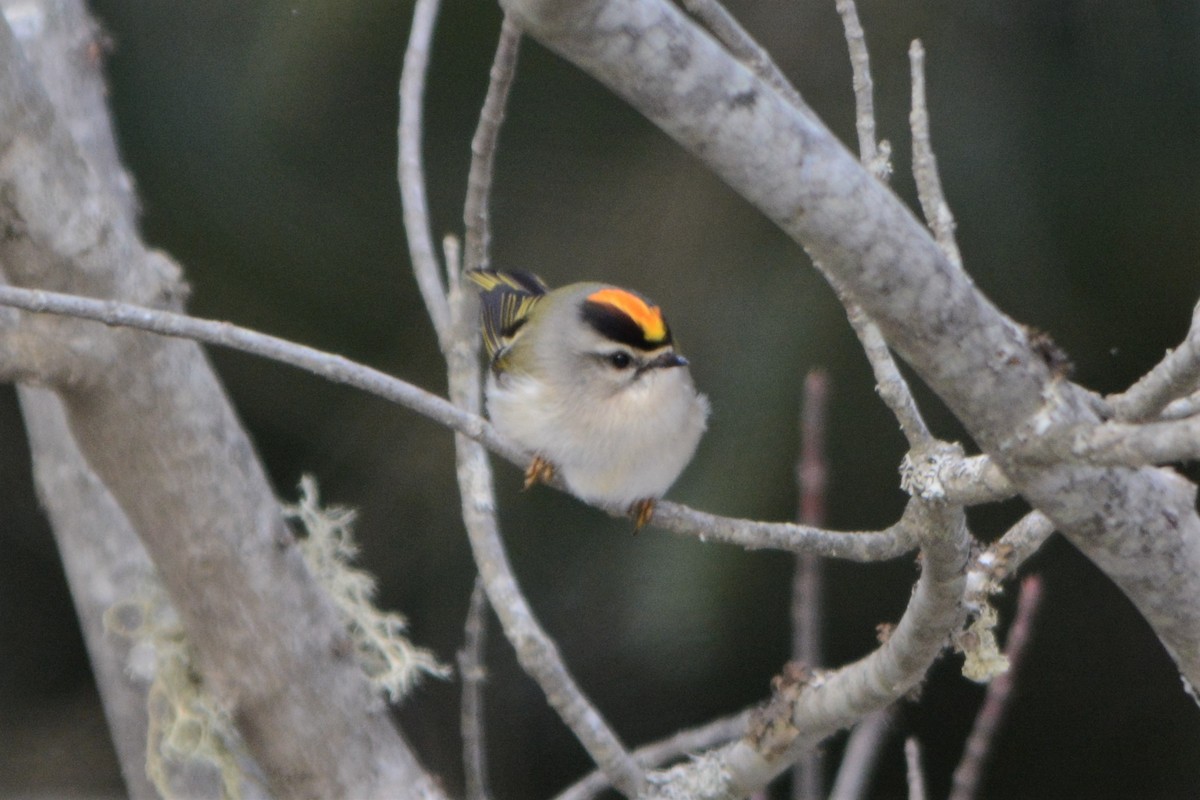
(647, 317)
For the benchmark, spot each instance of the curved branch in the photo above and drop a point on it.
(535, 650)
(157, 429)
(411, 170)
(223, 334)
(929, 183)
(459, 338)
(982, 364)
(1130, 444)
(864, 92)
(861, 546)
(981, 741)
(690, 740)
(888, 543)
(801, 714)
(476, 218)
(1005, 555)
(473, 674)
(1178, 374)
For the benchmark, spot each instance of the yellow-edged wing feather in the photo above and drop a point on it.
(506, 298)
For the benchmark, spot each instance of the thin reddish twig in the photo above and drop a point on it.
(812, 473)
(983, 735)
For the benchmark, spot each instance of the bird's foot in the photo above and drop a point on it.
(539, 471)
(642, 511)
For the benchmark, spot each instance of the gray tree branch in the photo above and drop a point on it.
(472, 672)
(929, 183)
(411, 170)
(802, 713)
(862, 753)
(155, 426)
(1178, 374)
(536, 651)
(459, 339)
(477, 236)
(678, 744)
(103, 559)
(751, 534)
(984, 366)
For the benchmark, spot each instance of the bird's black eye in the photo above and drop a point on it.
(620, 359)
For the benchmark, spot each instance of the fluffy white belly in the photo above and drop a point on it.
(629, 447)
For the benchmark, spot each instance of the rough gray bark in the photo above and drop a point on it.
(103, 559)
(155, 426)
(1138, 525)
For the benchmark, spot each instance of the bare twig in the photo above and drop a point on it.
(915, 772)
(862, 754)
(1178, 374)
(800, 715)
(986, 369)
(478, 237)
(1128, 444)
(1002, 558)
(925, 171)
(691, 740)
(411, 172)
(535, 650)
(473, 674)
(873, 155)
(812, 473)
(893, 389)
(881, 545)
(811, 476)
(327, 365)
(458, 336)
(979, 745)
(854, 545)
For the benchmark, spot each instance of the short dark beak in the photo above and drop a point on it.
(668, 360)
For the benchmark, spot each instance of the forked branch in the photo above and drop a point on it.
(535, 650)
(879, 545)
(990, 371)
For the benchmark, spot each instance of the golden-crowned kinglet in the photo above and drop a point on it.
(588, 380)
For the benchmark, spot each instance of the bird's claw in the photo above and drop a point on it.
(539, 471)
(641, 511)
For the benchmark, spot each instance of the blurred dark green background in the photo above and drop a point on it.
(262, 137)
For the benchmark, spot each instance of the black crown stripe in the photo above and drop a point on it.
(612, 323)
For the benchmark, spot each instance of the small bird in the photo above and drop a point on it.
(587, 378)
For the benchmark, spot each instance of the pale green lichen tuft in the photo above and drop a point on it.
(393, 664)
(186, 727)
(983, 660)
(702, 775)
